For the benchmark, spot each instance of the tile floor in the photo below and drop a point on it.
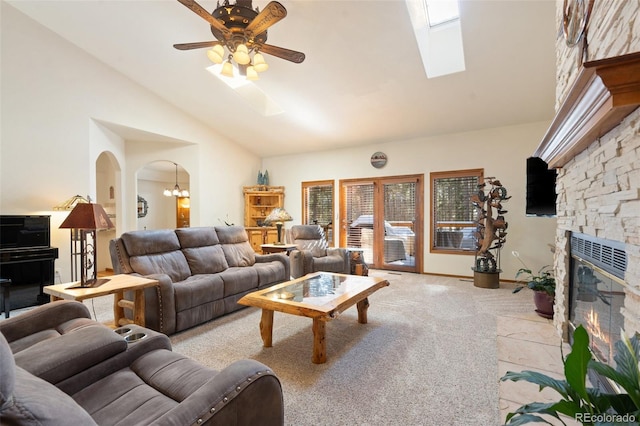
(528, 342)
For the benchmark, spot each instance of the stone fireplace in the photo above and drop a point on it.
(594, 143)
(597, 294)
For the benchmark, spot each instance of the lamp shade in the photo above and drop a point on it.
(278, 214)
(259, 63)
(252, 74)
(87, 216)
(227, 69)
(216, 54)
(70, 203)
(241, 55)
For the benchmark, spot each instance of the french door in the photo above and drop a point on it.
(383, 217)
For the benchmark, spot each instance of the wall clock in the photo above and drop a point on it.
(378, 159)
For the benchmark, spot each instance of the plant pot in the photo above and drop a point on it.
(486, 279)
(544, 304)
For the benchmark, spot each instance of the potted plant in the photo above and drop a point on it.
(543, 285)
(578, 401)
(490, 232)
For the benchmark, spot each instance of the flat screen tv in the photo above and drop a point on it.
(541, 188)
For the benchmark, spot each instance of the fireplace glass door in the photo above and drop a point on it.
(597, 299)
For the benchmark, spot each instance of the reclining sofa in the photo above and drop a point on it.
(59, 367)
(202, 272)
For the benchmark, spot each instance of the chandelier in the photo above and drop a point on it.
(176, 191)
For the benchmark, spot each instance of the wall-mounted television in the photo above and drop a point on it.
(541, 188)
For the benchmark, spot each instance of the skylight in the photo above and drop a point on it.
(250, 92)
(438, 31)
(441, 11)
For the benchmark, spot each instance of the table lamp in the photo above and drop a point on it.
(278, 215)
(86, 218)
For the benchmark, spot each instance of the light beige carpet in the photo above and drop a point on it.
(428, 355)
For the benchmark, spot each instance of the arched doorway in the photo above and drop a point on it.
(155, 209)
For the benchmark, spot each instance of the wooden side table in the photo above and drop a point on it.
(116, 285)
(278, 248)
(357, 265)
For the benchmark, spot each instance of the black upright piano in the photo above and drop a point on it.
(27, 260)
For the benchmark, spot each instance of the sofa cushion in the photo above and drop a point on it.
(153, 385)
(139, 243)
(172, 263)
(270, 272)
(206, 260)
(198, 289)
(236, 246)
(198, 236)
(239, 279)
(27, 399)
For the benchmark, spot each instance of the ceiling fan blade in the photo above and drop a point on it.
(271, 14)
(197, 45)
(201, 12)
(281, 52)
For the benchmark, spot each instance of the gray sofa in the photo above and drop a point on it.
(202, 272)
(58, 367)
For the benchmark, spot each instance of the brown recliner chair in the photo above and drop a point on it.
(76, 371)
(313, 254)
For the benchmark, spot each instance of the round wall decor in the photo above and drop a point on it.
(378, 159)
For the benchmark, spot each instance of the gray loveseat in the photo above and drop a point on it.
(58, 367)
(202, 272)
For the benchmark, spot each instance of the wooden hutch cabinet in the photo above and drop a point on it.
(259, 200)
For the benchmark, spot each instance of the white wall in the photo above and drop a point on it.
(55, 98)
(501, 152)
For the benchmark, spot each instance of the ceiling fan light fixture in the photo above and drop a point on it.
(241, 55)
(259, 63)
(216, 54)
(227, 69)
(251, 73)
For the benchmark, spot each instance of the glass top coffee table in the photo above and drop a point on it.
(321, 296)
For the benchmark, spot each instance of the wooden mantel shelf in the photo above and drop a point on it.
(604, 93)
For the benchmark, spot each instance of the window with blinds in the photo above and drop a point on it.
(317, 206)
(359, 214)
(453, 216)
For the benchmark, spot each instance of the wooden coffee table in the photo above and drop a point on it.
(116, 285)
(321, 296)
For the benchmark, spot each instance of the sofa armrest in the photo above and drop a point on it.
(344, 254)
(134, 350)
(301, 262)
(57, 359)
(246, 392)
(280, 257)
(160, 304)
(49, 316)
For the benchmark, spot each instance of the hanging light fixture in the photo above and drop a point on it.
(242, 56)
(216, 54)
(176, 191)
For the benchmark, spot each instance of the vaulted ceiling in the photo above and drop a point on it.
(362, 81)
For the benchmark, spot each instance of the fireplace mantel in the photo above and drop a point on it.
(604, 93)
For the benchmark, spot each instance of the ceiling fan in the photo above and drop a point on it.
(242, 31)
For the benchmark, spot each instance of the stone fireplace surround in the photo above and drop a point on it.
(599, 195)
(594, 142)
